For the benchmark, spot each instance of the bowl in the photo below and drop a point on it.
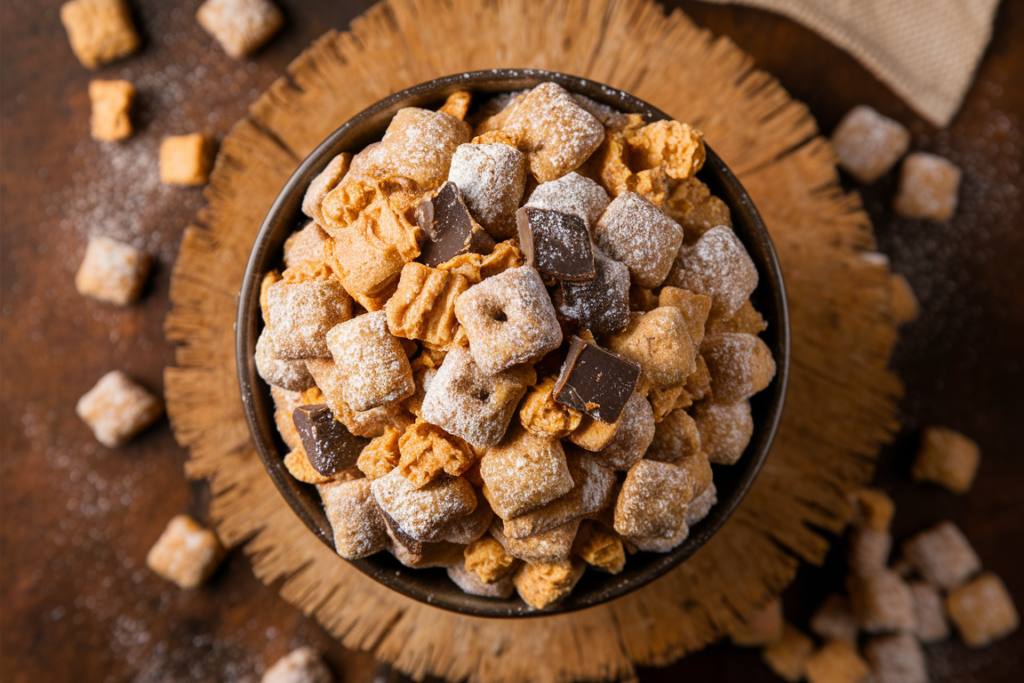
(432, 586)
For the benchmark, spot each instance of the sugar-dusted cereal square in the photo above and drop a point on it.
(100, 31)
(240, 26)
(725, 429)
(186, 159)
(947, 458)
(929, 185)
(932, 626)
(653, 500)
(633, 435)
(541, 585)
(524, 472)
(300, 314)
(868, 550)
(695, 209)
(470, 583)
(882, 602)
(702, 504)
(118, 408)
(302, 665)
(675, 438)
(637, 233)
(553, 545)
(660, 342)
(741, 365)
(572, 193)
(718, 267)
(375, 369)
(111, 109)
(112, 271)
(355, 519)
(186, 552)
(834, 620)
(896, 659)
(424, 512)
(305, 245)
(762, 629)
(491, 179)
(942, 556)
(287, 374)
(423, 306)
(599, 548)
(788, 655)
(471, 527)
(983, 611)
(868, 143)
(871, 509)
(836, 662)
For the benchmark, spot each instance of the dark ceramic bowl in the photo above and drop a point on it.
(432, 585)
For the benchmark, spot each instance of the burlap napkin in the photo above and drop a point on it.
(925, 50)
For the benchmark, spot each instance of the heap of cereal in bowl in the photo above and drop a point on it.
(513, 343)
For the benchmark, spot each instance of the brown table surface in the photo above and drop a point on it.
(77, 519)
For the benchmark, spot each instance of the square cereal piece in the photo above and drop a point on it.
(112, 271)
(186, 159)
(541, 585)
(637, 233)
(725, 430)
(553, 545)
(868, 550)
(509, 319)
(186, 552)
(983, 611)
(100, 31)
(932, 626)
(423, 513)
(367, 423)
(787, 656)
(871, 509)
(472, 527)
(305, 245)
(660, 342)
(240, 26)
(492, 179)
(882, 602)
(675, 438)
(572, 193)
(741, 365)
(524, 472)
(287, 374)
(929, 185)
(300, 314)
(117, 409)
(942, 556)
(653, 500)
(111, 107)
(834, 620)
(896, 659)
(762, 629)
(948, 458)
(718, 267)
(836, 662)
(868, 143)
(302, 665)
(375, 368)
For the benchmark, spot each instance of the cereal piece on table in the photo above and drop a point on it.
(942, 556)
(718, 267)
(300, 315)
(555, 133)
(329, 446)
(305, 245)
(834, 620)
(285, 403)
(509, 319)
(932, 626)
(596, 382)
(637, 233)
(593, 435)
(470, 583)
(741, 365)
(240, 26)
(112, 271)
(599, 548)
(423, 306)
(449, 228)
(487, 559)
(553, 545)
(872, 509)
(322, 185)
(983, 611)
(868, 550)
(869, 144)
(541, 585)
(472, 527)
(492, 179)
(470, 404)
(695, 209)
(428, 450)
(373, 364)
(701, 505)
(947, 457)
(659, 341)
(725, 430)
(186, 159)
(298, 465)
(186, 552)
(789, 654)
(882, 602)
(633, 435)
(600, 305)
(424, 512)
(100, 31)
(287, 374)
(896, 659)
(365, 423)
(836, 662)
(381, 455)
(902, 301)
(117, 408)
(763, 628)
(541, 415)
(694, 307)
(572, 193)
(556, 244)
(653, 500)
(929, 185)
(675, 438)
(523, 473)
(111, 108)
(302, 665)
(354, 516)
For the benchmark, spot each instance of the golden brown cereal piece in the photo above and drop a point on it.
(637, 233)
(367, 423)
(541, 585)
(668, 399)
(240, 26)
(428, 450)
(111, 108)
(882, 602)
(186, 552)
(836, 662)
(641, 299)
(479, 267)
(599, 547)
(381, 455)
(694, 307)
(902, 301)
(869, 144)
(671, 145)
(741, 365)
(660, 342)
(763, 628)
(305, 246)
(553, 545)
(423, 306)
(653, 501)
(695, 209)
(439, 554)
(374, 367)
(942, 556)
(285, 403)
(932, 626)
(424, 512)
(494, 112)
(354, 516)
(702, 504)
(470, 583)
(370, 264)
(465, 530)
(675, 438)
(491, 179)
(117, 408)
(746, 320)
(789, 654)
(717, 266)
(186, 159)
(457, 104)
(872, 509)
(834, 620)
(541, 415)
(633, 434)
(300, 315)
(868, 550)
(288, 374)
(323, 184)
(983, 611)
(896, 659)
(298, 465)
(929, 185)
(270, 279)
(488, 560)
(524, 472)
(100, 31)
(112, 271)
(698, 384)
(593, 435)
(660, 544)
(948, 458)
(725, 429)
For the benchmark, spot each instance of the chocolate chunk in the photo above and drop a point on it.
(450, 228)
(329, 446)
(595, 381)
(600, 305)
(556, 244)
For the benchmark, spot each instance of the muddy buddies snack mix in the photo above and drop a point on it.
(515, 349)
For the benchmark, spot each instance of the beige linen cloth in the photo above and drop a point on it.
(925, 50)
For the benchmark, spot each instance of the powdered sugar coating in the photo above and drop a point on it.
(600, 305)
(882, 602)
(675, 438)
(633, 435)
(117, 408)
(419, 145)
(302, 665)
(524, 472)
(932, 626)
(740, 365)
(868, 143)
(553, 545)
(186, 552)
(492, 179)
(287, 374)
(240, 26)
(653, 501)
(928, 187)
(374, 367)
(300, 315)
(725, 429)
(896, 659)
(718, 267)
(355, 520)
(112, 271)
(637, 233)
(304, 245)
(423, 513)
(942, 556)
(701, 505)
(465, 530)
(572, 193)
(365, 423)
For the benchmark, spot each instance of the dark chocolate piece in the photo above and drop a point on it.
(450, 228)
(600, 305)
(329, 446)
(556, 244)
(595, 381)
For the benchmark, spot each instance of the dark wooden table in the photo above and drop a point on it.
(77, 519)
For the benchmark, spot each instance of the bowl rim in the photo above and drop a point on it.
(288, 200)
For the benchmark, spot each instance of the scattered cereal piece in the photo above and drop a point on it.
(637, 233)
(487, 559)
(492, 179)
(600, 305)
(762, 629)
(287, 374)
(116, 409)
(302, 665)
(449, 227)
(186, 552)
(556, 244)
(942, 556)
(112, 271)
(634, 434)
(695, 209)
(541, 585)
(834, 620)
(599, 548)
(983, 611)
(902, 301)
(947, 457)
(928, 187)
(298, 465)
(423, 306)
(932, 626)
(428, 450)
(882, 602)
(470, 583)
(300, 315)
(718, 267)
(789, 654)
(572, 193)
(186, 159)
(653, 501)
(329, 446)
(725, 430)
(374, 367)
(553, 545)
(240, 26)
(322, 185)
(523, 473)
(896, 659)
(596, 382)
(111, 107)
(100, 31)
(836, 662)
(701, 505)
(872, 509)
(868, 550)
(540, 414)
(675, 438)
(354, 516)
(868, 143)
(741, 365)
